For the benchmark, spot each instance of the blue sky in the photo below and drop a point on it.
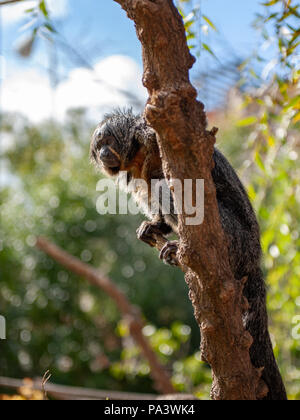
(100, 31)
(104, 22)
(108, 22)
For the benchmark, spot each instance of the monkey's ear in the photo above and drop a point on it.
(93, 154)
(93, 146)
(94, 142)
(98, 132)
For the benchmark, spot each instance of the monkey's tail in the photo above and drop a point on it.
(261, 352)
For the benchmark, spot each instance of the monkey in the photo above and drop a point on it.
(124, 142)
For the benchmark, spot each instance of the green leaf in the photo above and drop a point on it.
(259, 161)
(252, 72)
(272, 16)
(208, 49)
(43, 8)
(296, 118)
(210, 23)
(270, 3)
(251, 192)
(293, 104)
(190, 36)
(247, 121)
(271, 141)
(50, 27)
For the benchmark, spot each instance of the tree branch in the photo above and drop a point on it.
(130, 312)
(187, 149)
(6, 2)
(61, 392)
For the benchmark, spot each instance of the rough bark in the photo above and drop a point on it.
(186, 148)
(131, 313)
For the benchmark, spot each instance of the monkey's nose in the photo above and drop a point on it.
(108, 158)
(105, 153)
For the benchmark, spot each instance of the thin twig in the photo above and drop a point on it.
(45, 379)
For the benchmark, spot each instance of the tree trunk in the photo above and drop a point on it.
(187, 152)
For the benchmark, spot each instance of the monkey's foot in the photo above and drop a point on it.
(169, 253)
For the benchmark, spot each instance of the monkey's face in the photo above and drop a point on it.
(110, 159)
(106, 153)
(105, 150)
(114, 143)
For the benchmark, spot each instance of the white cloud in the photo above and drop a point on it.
(15, 12)
(58, 8)
(30, 92)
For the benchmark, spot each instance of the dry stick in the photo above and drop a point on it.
(187, 153)
(130, 312)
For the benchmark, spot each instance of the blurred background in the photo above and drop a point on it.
(63, 64)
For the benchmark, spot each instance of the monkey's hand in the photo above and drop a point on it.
(151, 233)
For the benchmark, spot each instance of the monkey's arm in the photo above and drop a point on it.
(154, 232)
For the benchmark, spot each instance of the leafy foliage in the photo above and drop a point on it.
(196, 23)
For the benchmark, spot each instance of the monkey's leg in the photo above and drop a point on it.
(152, 233)
(169, 253)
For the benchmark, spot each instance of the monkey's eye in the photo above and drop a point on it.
(106, 141)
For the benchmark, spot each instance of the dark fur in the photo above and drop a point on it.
(239, 223)
(129, 131)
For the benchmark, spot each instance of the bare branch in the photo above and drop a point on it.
(130, 312)
(61, 392)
